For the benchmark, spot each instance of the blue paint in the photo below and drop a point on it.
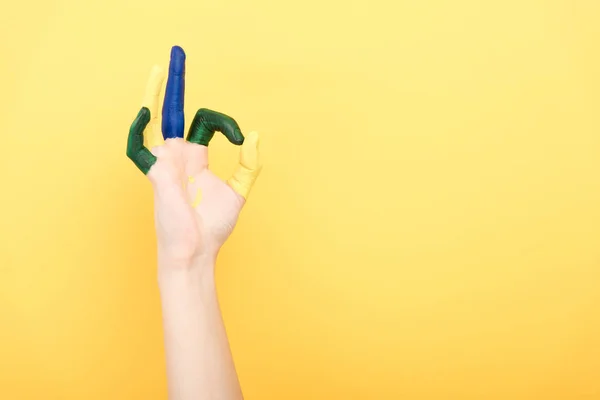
(173, 120)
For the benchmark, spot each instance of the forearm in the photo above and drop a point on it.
(199, 362)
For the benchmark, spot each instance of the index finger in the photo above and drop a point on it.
(172, 113)
(207, 122)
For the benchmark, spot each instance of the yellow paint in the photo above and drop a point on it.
(152, 100)
(426, 227)
(249, 167)
(198, 198)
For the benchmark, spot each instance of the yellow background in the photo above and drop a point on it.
(427, 224)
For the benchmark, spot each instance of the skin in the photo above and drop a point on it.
(195, 212)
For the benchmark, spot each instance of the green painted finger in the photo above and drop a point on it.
(207, 122)
(136, 150)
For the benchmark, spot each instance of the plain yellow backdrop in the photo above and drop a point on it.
(426, 226)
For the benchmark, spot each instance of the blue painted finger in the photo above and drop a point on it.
(173, 120)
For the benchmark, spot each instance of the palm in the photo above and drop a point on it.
(195, 210)
(220, 207)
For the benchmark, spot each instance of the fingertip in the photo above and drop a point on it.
(237, 139)
(253, 139)
(144, 114)
(157, 70)
(177, 51)
(229, 127)
(249, 153)
(177, 64)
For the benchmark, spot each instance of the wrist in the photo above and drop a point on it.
(190, 271)
(185, 257)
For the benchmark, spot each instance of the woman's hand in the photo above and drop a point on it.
(195, 211)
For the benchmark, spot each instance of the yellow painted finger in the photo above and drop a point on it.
(249, 167)
(153, 133)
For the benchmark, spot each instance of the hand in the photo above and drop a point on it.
(195, 211)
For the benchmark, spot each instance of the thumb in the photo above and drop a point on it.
(249, 167)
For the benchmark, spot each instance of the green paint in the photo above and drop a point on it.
(136, 151)
(207, 122)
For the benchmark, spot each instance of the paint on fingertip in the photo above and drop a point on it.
(177, 64)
